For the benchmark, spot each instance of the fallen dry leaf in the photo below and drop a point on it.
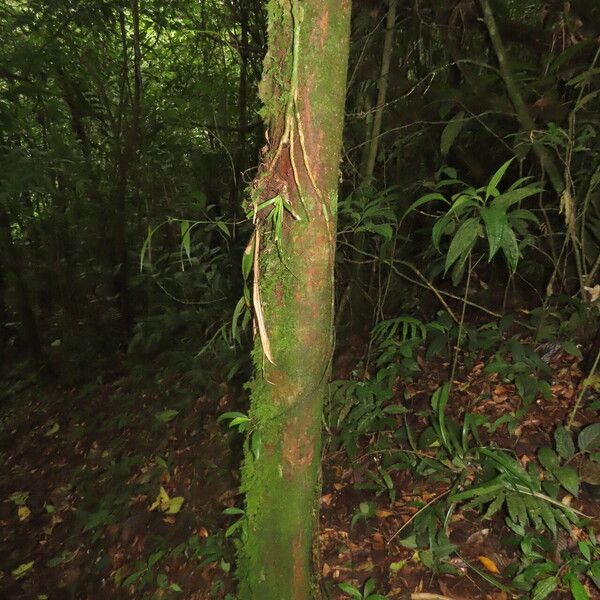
(326, 499)
(489, 564)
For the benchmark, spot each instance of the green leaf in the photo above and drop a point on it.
(510, 247)
(492, 188)
(496, 484)
(367, 508)
(229, 416)
(54, 429)
(544, 588)
(571, 349)
(496, 222)
(383, 230)
(533, 510)
(568, 478)
(185, 239)
(175, 505)
(439, 228)
(369, 587)
(255, 444)
(458, 270)
(239, 308)
(233, 528)
(395, 409)
(523, 215)
(589, 438)
(350, 590)
(233, 510)
(506, 200)
(547, 516)
(19, 498)
(517, 509)
(166, 415)
(463, 241)
(548, 459)
(132, 578)
(551, 488)
(516, 527)
(22, 569)
(224, 229)
(586, 550)
(154, 558)
(577, 588)
(494, 506)
(564, 443)
(424, 200)
(146, 246)
(439, 402)
(451, 131)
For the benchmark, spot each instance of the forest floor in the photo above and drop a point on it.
(112, 491)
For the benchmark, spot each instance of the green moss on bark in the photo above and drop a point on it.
(296, 288)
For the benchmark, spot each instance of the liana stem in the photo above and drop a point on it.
(584, 387)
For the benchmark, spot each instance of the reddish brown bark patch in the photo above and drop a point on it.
(299, 579)
(314, 138)
(298, 453)
(322, 30)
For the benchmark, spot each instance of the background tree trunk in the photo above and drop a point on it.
(303, 89)
(13, 264)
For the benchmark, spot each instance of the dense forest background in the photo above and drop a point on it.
(468, 251)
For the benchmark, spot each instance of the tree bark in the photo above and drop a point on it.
(3, 318)
(381, 90)
(523, 115)
(14, 265)
(303, 90)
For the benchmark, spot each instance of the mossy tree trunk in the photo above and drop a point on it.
(303, 91)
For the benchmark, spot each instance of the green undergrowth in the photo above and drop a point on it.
(452, 441)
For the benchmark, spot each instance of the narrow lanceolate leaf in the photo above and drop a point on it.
(506, 200)
(383, 230)
(424, 200)
(494, 506)
(544, 588)
(510, 247)
(492, 188)
(451, 132)
(438, 229)
(463, 241)
(523, 215)
(517, 509)
(185, 240)
(240, 306)
(547, 516)
(350, 590)
(577, 588)
(496, 222)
